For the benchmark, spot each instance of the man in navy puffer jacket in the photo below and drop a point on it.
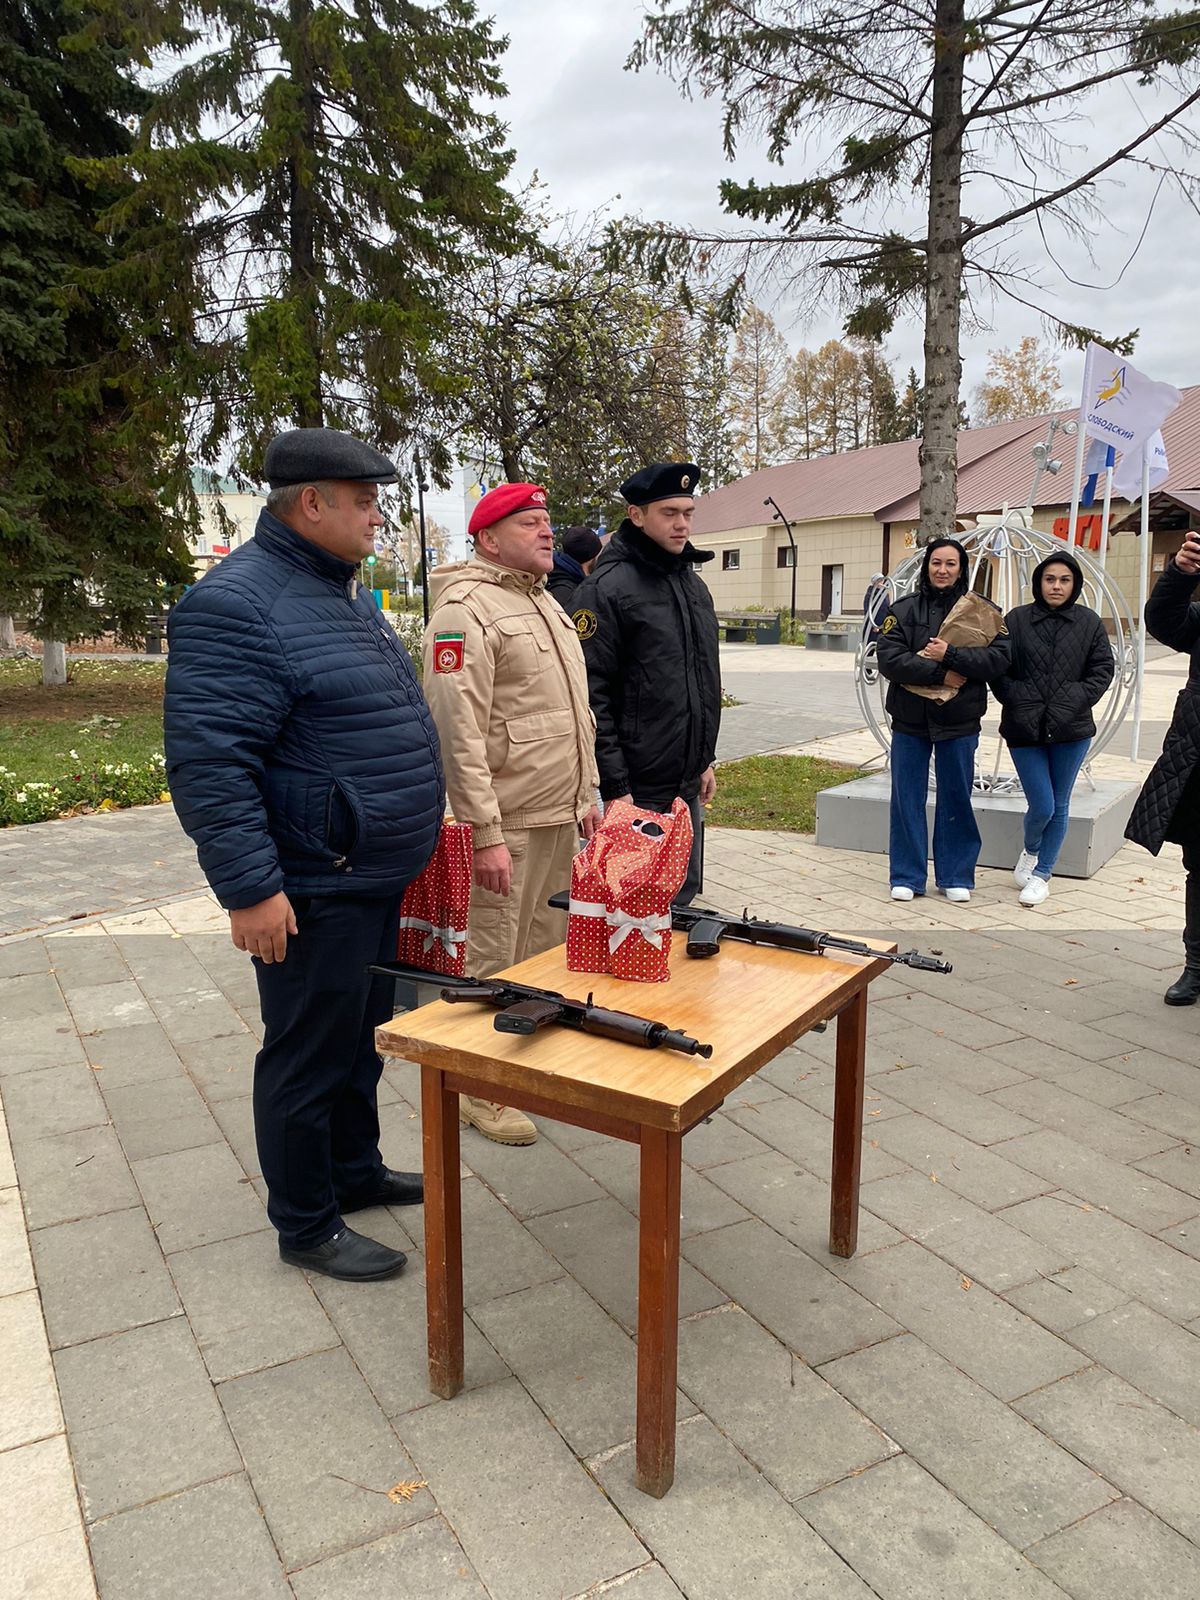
(304, 764)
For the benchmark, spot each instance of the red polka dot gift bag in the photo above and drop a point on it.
(622, 886)
(433, 912)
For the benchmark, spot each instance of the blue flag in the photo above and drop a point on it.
(1094, 466)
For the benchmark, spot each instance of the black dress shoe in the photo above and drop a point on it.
(348, 1255)
(393, 1189)
(1185, 991)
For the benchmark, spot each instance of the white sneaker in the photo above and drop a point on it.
(1023, 870)
(1034, 892)
(899, 892)
(959, 895)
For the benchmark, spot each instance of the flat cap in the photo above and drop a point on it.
(316, 455)
(661, 480)
(505, 500)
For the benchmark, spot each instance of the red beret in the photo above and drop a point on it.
(503, 501)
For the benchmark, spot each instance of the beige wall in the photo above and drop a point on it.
(854, 543)
(243, 508)
(1124, 549)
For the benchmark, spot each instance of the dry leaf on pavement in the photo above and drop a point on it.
(405, 1491)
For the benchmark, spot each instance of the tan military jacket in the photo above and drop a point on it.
(505, 680)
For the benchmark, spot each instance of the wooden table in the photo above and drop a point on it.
(748, 1002)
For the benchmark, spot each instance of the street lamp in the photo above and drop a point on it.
(422, 486)
(770, 501)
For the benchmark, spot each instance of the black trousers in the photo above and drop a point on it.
(1191, 926)
(316, 1118)
(694, 880)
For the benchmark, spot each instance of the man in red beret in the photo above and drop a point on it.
(505, 680)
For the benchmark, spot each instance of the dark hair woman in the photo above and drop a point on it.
(1061, 665)
(910, 654)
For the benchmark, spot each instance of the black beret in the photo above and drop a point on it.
(316, 455)
(661, 480)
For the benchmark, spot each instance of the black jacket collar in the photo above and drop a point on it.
(297, 551)
(629, 539)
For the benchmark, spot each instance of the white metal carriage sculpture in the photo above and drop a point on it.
(1001, 559)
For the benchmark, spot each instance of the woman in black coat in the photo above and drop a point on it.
(911, 654)
(1061, 665)
(1169, 804)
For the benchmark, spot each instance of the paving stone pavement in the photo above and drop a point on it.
(997, 1396)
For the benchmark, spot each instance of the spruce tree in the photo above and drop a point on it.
(338, 167)
(90, 424)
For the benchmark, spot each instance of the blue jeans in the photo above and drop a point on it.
(955, 831)
(1047, 773)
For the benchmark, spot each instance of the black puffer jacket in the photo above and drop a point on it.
(904, 631)
(1061, 665)
(649, 633)
(1173, 618)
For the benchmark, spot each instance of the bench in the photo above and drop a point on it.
(749, 627)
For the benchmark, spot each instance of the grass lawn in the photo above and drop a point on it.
(110, 711)
(774, 792)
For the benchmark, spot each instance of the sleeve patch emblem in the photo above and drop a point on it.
(448, 652)
(585, 623)
(889, 622)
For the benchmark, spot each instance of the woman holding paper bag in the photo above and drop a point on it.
(936, 699)
(1061, 665)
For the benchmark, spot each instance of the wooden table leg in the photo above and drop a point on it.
(658, 1310)
(443, 1233)
(849, 1085)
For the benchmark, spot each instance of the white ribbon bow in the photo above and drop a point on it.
(651, 928)
(448, 937)
(622, 925)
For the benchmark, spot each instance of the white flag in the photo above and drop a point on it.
(1121, 405)
(1127, 479)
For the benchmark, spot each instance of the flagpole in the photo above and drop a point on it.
(1143, 585)
(1080, 447)
(1103, 551)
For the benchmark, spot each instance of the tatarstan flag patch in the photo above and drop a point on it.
(448, 652)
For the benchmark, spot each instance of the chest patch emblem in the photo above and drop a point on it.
(448, 652)
(585, 623)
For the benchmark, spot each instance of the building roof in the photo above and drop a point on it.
(883, 481)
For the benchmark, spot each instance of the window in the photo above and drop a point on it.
(785, 556)
(731, 560)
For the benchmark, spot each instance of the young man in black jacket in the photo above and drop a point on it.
(910, 653)
(648, 627)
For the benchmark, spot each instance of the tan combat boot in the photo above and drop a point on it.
(497, 1122)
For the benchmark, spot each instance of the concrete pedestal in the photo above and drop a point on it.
(854, 816)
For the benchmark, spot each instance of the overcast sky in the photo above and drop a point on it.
(599, 136)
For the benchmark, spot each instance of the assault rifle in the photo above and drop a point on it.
(706, 929)
(525, 1010)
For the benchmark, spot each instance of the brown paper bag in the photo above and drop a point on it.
(972, 622)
